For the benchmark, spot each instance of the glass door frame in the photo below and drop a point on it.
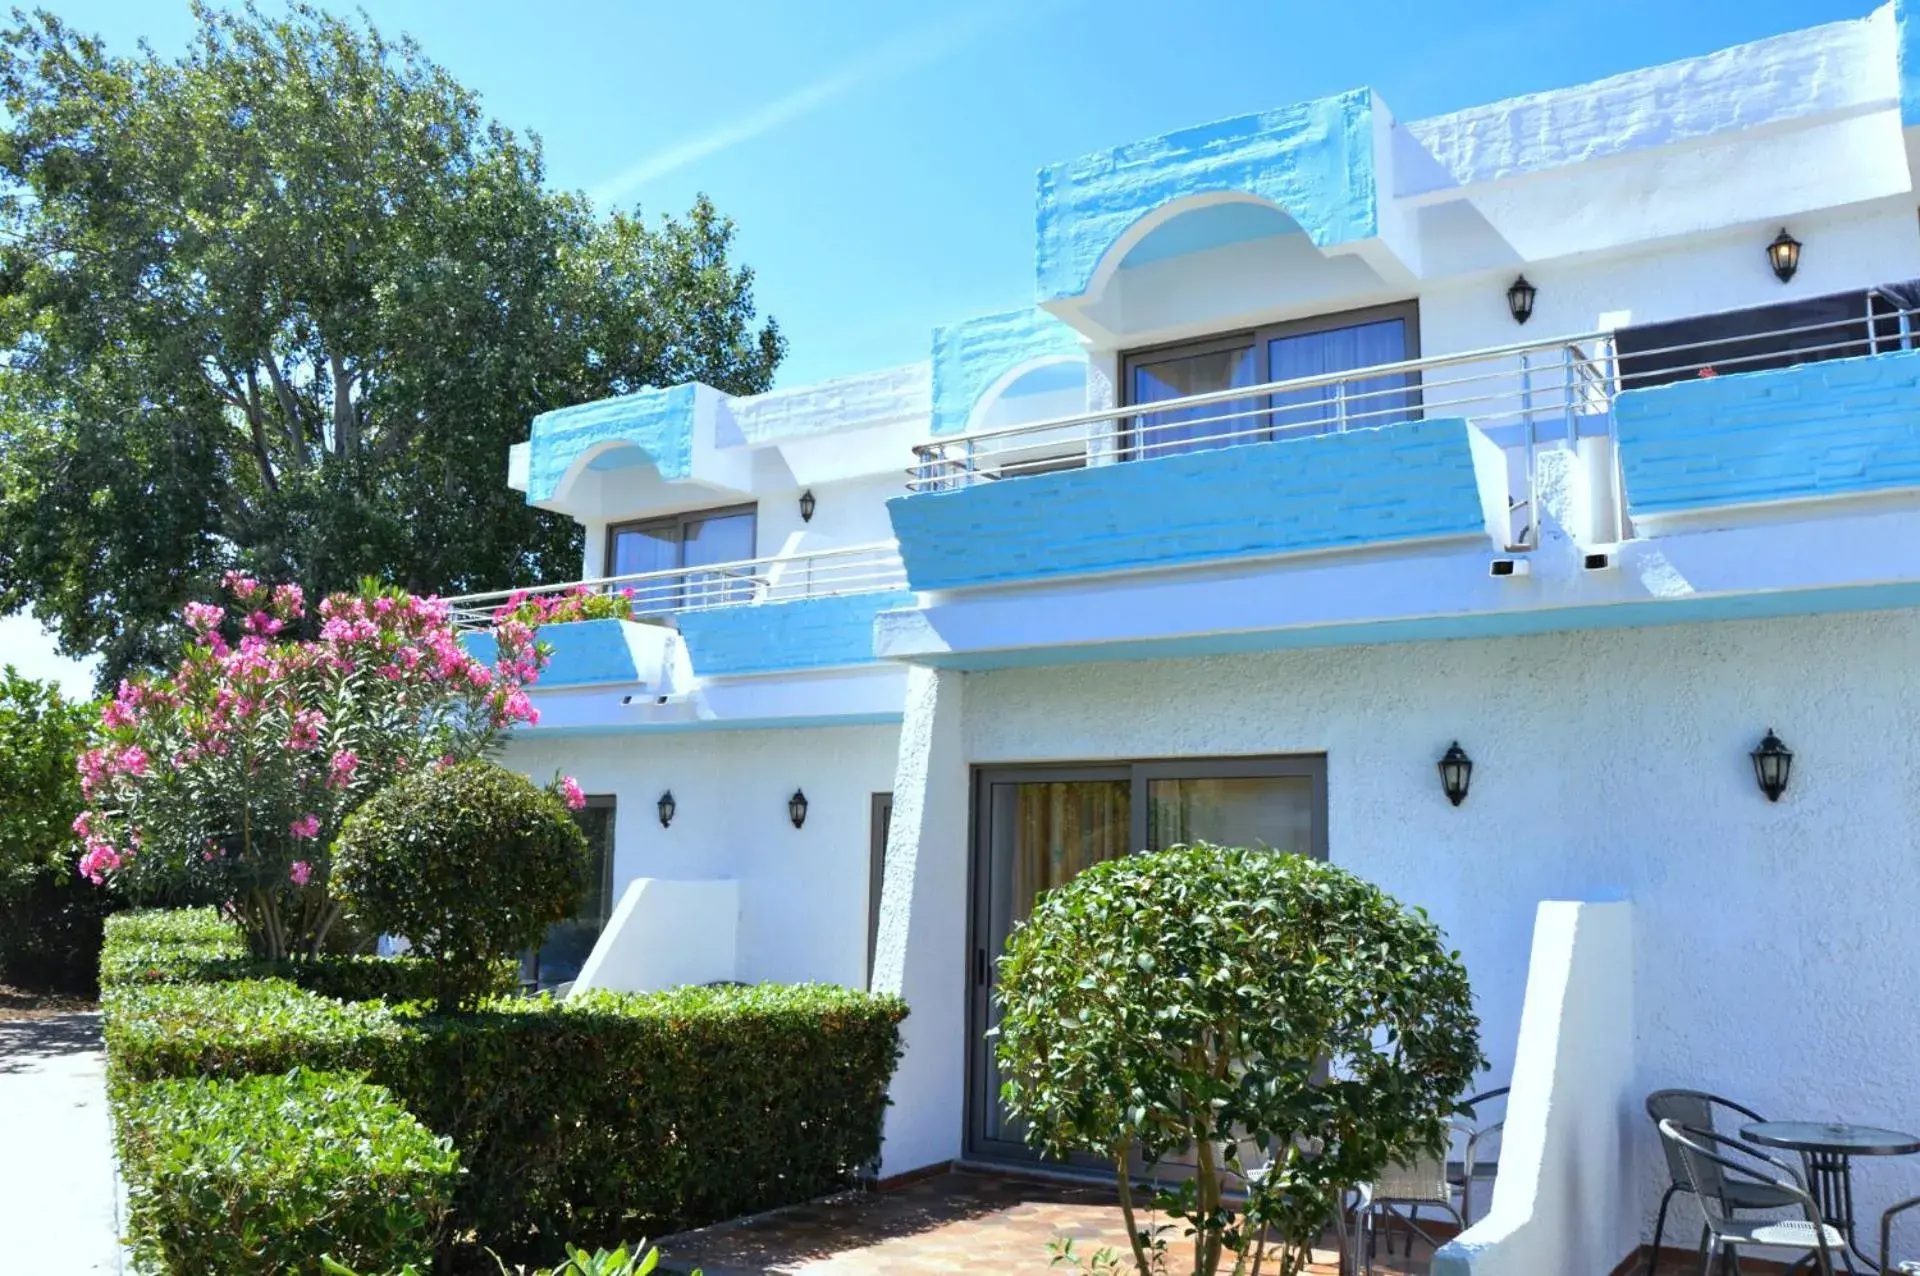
(1260, 338)
(980, 956)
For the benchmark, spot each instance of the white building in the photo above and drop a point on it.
(1377, 507)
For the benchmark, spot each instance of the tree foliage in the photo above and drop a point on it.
(1285, 1024)
(41, 732)
(471, 863)
(50, 921)
(283, 303)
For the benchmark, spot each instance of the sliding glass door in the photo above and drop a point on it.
(1038, 827)
(1321, 346)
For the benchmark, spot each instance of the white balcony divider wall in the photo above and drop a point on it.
(1564, 1198)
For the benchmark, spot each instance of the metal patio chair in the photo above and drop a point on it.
(1911, 1267)
(1398, 1195)
(1487, 1115)
(1712, 1163)
(1694, 1110)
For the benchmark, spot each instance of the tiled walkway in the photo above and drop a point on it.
(57, 1207)
(956, 1222)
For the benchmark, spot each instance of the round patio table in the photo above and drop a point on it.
(1827, 1148)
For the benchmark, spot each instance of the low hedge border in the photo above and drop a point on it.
(264, 1174)
(197, 946)
(594, 1120)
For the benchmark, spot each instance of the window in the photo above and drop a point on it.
(686, 543)
(568, 943)
(1842, 325)
(1304, 348)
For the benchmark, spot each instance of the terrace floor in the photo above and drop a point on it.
(956, 1221)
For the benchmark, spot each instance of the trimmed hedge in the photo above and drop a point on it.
(266, 1173)
(594, 1120)
(189, 946)
(240, 1028)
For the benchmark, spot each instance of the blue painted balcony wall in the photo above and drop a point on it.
(1314, 161)
(801, 633)
(1407, 482)
(586, 653)
(659, 423)
(1844, 427)
(975, 356)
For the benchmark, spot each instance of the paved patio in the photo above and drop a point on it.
(954, 1222)
(57, 1194)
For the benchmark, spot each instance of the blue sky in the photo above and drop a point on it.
(879, 157)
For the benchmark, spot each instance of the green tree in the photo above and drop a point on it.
(470, 862)
(282, 304)
(1281, 1022)
(50, 921)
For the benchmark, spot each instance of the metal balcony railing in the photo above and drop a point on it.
(661, 595)
(1525, 395)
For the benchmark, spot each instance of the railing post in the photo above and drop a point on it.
(1340, 407)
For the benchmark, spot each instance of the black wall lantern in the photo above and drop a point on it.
(1783, 254)
(797, 808)
(1456, 773)
(807, 504)
(1772, 764)
(666, 808)
(1520, 297)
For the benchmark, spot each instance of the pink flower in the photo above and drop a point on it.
(306, 826)
(290, 599)
(133, 760)
(302, 872)
(202, 618)
(341, 769)
(570, 790)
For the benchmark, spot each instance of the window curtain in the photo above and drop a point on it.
(1063, 830)
(1369, 402)
(1165, 433)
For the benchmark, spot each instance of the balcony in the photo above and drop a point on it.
(1475, 448)
(757, 616)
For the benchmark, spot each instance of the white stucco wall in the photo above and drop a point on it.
(1563, 1199)
(1770, 953)
(663, 934)
(803, 892)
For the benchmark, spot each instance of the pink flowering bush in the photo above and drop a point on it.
(232, 775)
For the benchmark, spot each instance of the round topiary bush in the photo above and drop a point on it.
(470, 862)
(1284, 1025)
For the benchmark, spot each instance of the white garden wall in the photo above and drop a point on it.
(1607, 764)
(803, 892)
(1563, 1200)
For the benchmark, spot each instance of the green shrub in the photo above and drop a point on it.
(471, 862)
(50, 929)
(264, 1174)
(1189, 1003)
(173, 946)
(156, 1031)
(595, 1119)
(159, 926)
(615, 1115)
(197, 946)
(49, 918)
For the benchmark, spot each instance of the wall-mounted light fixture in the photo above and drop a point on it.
(1456, 773)
(1772, 764)
(807, 504)
(797, 808)
(1520, 295)
(1783, 254)
(666, 808)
